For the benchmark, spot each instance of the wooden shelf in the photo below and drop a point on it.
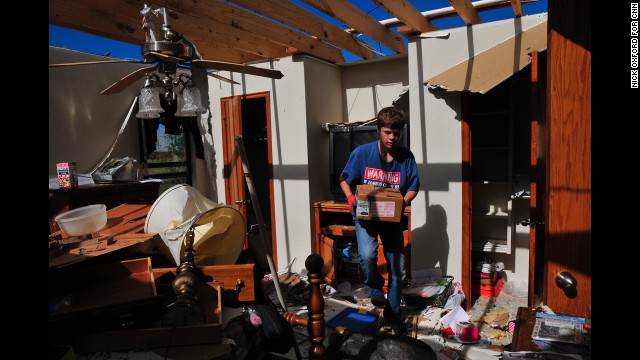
(491, 216)
(491, 245)
(334, 225)
(339, 230)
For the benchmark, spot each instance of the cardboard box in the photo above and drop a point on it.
(485, 278)
(67, 175)
(381, 204)
(487, 290)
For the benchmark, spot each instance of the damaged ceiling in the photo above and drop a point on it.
(245, 31)
(485, 70)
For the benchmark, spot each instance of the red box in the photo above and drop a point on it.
(487, 290)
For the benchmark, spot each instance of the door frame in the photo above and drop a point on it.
(467, 193)
(538, 177)
(233, 173)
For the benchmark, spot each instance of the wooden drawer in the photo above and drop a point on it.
(226, 276)
(110, 296)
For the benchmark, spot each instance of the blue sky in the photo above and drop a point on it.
(75, 40)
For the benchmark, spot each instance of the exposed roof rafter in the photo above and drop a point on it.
(249, 31)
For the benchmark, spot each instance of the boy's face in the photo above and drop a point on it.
(389, 138)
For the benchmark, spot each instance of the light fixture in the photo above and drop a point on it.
(149, 101)
(189, 103)
(188, 98)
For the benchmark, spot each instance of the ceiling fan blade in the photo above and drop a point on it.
(127, 80)
(166, 57)
(222, 78)
(97, 62)
(245, 69)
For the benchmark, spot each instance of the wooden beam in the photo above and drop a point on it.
(193, 27)
(450, 11)
(517, 8)
(122, 22)
(358, 19)
(466, 11)
(234, 17)
(408, 14)
(297, 17)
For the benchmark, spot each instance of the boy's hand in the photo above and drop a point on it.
(351, 199)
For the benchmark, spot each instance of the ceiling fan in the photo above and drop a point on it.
(173, 50)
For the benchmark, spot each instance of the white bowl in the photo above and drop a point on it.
(83, 220)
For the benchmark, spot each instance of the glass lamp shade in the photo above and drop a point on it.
(180, 107)
(149, 103)
(190, 101)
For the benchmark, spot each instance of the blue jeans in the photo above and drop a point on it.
(393, 244)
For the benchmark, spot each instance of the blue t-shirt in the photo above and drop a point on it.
(366, 166)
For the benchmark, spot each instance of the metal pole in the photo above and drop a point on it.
(265, 247)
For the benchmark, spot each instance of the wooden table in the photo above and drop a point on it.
(112, 195)
(125, 226)
(526, 319)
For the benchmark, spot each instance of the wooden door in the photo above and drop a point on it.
(567, 244)
(248, 116)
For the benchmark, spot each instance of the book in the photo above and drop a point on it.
(557, 328)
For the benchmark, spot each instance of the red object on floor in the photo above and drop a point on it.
(487, 290)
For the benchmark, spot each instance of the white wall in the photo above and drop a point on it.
(311, 92)
(82, 123)
(371, 85)
(289, 150)
(435, 123)
(324, 104)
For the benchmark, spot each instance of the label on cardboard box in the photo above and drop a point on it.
(381, 204)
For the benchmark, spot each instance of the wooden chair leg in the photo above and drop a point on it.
(315, 306)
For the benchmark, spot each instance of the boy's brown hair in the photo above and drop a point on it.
(391, 117)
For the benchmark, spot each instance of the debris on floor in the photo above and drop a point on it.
(492, 316)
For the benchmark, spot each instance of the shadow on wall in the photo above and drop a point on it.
(451, 98)
(430, 243)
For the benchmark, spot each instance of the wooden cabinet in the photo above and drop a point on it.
(112, 195)
(335, 231)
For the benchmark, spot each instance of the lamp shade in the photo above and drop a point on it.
(149, 103)
(190, 101)
(181, 112)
